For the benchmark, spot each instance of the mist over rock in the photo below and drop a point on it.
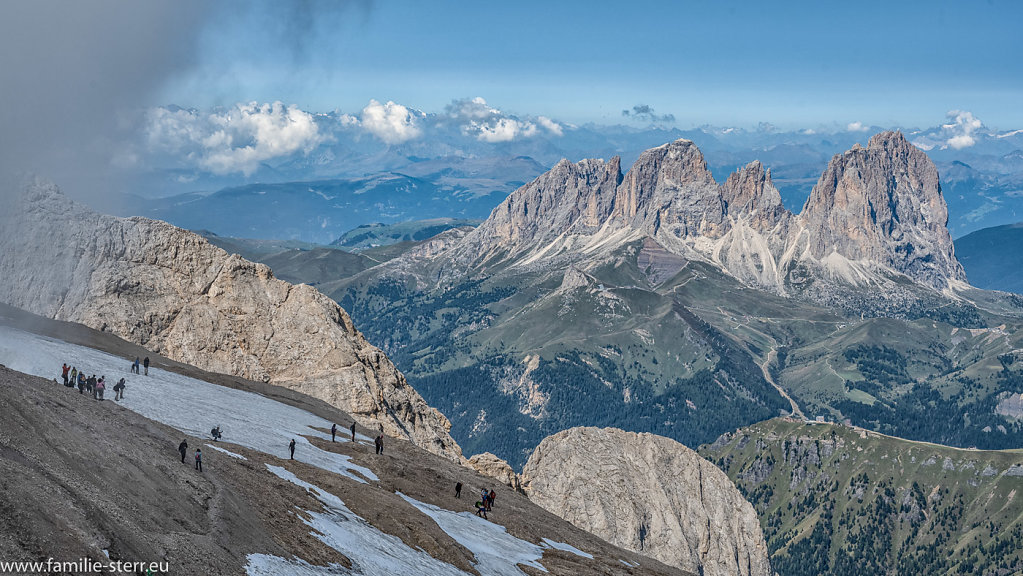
(175, 293)
(649, 494)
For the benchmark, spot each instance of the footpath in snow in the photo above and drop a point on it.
(188, 404)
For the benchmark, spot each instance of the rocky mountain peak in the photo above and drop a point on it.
(569, 196)
(749, 193)
(658, 176)
(883, 204)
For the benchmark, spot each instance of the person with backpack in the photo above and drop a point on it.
(81, 382)
(198, 459)
(481, 510)
(333, 432)
(490, 499)
(292, 448)
(119, 390)
(74, 377)
(100, 387)
(216, 433)
(90, 385)
(458, 489)
(183, 448)
(63, 373)
(146, 364)
(380, 443)
(135, 366)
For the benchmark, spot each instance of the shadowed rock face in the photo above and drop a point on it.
(649, 494)
(883, 204)
(172, 292)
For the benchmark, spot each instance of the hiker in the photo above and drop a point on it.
(292, 448)
(353, 431)
(216, 433)
(119, 389)
(90, 385)
(74, 377)
(458, 489)
(333, 432)
(490, 499)
(81, 382)
(63, 373)
(135, 366)
(146, 364)
(485, 498)
(198, 459)
(380, 444)
(100, 387)
(183, 448)
(481, 510)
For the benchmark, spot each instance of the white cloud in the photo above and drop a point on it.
(503, 130)
(392, 123)
(960, 129)
(856, 127)
(233, 140)
(471, 108)
(550, 125)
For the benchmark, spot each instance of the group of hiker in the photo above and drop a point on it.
(484, 504)
(135, 366)
(94, 386)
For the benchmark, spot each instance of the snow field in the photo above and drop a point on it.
(188, 404)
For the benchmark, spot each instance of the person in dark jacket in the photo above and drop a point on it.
(119, 389)
(292, 448)
(198, 459)
(183, 448)
(81, 383)
(145, 363)
(380, 443)
(333, 432)
(135, 366)
(353, 431)
(458, 489)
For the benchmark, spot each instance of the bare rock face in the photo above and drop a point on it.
(876, 212)
(569, 197)
(649, 494)
(883, 204)
(172, 292)
(489, 465)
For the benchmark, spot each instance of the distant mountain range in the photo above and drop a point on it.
(345, 182)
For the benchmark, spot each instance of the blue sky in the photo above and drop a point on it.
(794, 64)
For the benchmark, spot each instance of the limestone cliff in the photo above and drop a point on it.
(649, 494)
(883, 204)
(172, 292)
(877, 212)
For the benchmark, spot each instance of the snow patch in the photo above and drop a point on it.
(497, 552)
(372, 552)
(565, 548)
(228, 452)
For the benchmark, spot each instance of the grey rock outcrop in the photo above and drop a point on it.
(175, 293)
(876, 212)
(490, 465)
(883, 204)
(649, 494)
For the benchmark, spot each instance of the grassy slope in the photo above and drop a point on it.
(827, 494)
